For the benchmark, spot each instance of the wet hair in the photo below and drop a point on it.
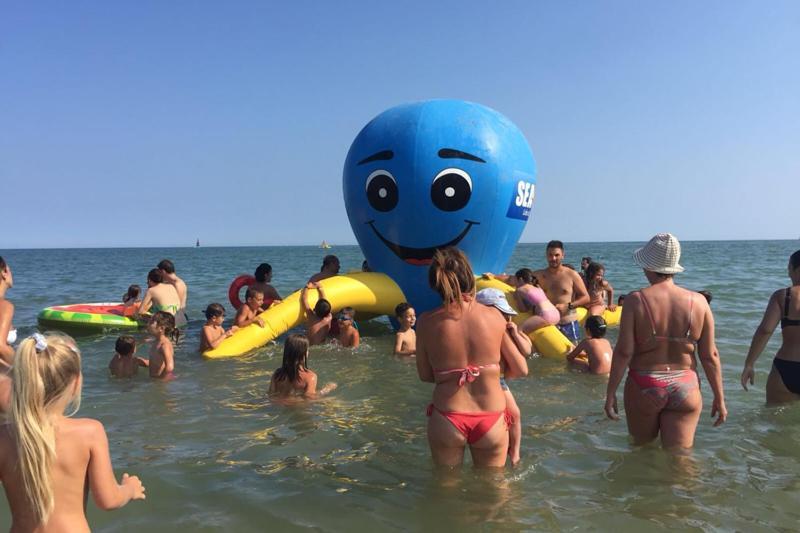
(165, 320)
(365, 266)
(401, 308)
(167, 266)
(555, 244)
(450, 274)
(295, 358)
(620, 299)
(39, 379)
(322, 308)
(214, 310)
(125, 345)
(263, 270)
(794, 260)
(591, 272)
(133, 292)
(328, 260)
(349, 311)
(252, 292)
(596, 326)
(706, 295)
(155, 276)
(3, 264)
(527, 276)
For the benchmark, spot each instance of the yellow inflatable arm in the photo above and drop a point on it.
(367, 292)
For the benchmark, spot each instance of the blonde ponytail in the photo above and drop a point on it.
(451, 275)
(44, 369)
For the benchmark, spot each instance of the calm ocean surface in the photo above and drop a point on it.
(215, 455)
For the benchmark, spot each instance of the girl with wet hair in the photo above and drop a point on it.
(46, 478)
(601, 293)
(294, 377)
(450, 275)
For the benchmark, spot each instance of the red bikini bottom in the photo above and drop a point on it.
(473, 425)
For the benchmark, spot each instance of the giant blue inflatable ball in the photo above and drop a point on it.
(433, 174)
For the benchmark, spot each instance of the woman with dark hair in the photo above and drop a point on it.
(160, 296)
(459, 348)
(783, 383)
(8, 335)
(661, 328)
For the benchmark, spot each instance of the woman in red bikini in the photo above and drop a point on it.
(783, 383)
(662, 326)
(459, 346)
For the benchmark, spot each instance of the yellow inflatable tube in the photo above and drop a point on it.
(367, 292)
(548, 341)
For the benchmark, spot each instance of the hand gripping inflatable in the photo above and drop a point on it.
(433, 174)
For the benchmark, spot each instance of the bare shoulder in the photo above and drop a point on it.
(88, 428)
(6, 305)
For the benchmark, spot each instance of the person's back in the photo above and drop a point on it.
(469, 336)
(598, 352)
(790, 323)
(47, 491)
(669, 320)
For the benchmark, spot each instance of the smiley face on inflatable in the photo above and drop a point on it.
(434, 174)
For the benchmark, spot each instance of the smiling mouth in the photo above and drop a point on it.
(419, 256)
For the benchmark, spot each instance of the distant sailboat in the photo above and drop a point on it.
(197, 244)
(324, 245)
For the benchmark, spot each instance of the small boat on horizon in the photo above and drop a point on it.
(324, 245)
(197, 244)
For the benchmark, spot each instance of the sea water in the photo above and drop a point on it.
(215, 454)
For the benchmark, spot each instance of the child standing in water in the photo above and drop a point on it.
(496, 298)
(162, 361)
(49, 462)
(124, 364)
(594, 352)
(348, 336)
(318, 318)
(294, 377)
(213, 333)
(600, 290)
(405, 340)
(248, 313)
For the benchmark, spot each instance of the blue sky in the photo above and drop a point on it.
(154, 123)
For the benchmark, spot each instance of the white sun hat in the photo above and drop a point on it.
(660, 255)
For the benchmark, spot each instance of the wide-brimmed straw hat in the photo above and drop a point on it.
(496, 298)
(660, 255)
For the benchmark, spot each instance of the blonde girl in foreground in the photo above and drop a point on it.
(49, 462)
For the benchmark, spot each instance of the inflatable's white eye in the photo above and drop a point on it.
(382, 192)
(451, 189)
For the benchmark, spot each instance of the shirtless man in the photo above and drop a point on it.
(565, 288)
(167, 269)
(330, 267)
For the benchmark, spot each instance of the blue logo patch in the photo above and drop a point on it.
(521, 200)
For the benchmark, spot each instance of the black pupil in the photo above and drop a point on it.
(382, 193)
(450, 192)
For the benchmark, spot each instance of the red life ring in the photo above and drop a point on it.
(244, 280)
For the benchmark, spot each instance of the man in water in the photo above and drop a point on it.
(564, 288)
(330, 267)
(167, 269)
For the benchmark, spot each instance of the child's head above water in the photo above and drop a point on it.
(47, 370)
(596, 326)
(214, 310)
(263, 271)
(161, 320)
(125, 346)
(133, 292)
(254, 297)
(295, 357)
(495, 298)
(525, 275)
(322, 308)
(345, 316)
(405, 314)
(155, 277)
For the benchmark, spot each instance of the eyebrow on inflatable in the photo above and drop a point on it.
(384, 155)
(449, 153)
